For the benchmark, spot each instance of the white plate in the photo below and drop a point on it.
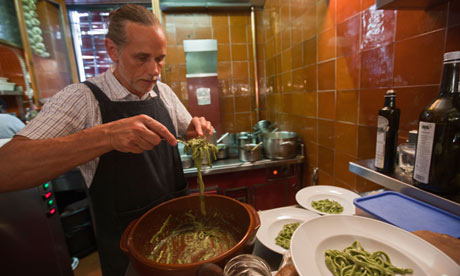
(345, 197)
(407, 250)
(272, 221)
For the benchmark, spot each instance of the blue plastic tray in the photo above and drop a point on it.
(409, 214)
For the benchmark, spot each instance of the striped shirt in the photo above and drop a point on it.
(75, 108)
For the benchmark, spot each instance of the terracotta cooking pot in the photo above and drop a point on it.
(135, 241)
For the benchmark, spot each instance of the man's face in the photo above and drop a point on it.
(140, 60)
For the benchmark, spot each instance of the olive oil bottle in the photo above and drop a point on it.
(387, 134)
(437, 157)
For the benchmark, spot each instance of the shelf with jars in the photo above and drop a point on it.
(46, 41)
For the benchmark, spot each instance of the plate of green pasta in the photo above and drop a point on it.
(327, 200)
(354, 245)
(278, 225)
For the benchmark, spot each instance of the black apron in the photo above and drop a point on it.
(126, 185)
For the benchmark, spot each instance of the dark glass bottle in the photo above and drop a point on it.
(437, 157)
(387, 134)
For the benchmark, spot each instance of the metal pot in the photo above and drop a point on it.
(246, 138)
(246, 154)
(280, 145)
(222, 152)
(187, 161)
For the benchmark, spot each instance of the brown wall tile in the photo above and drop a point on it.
(342, 173)
(326, 75)
(365, 4)
(454, 13)
(377, 67)
(325, 14)
(221, 34)
(228, 122)
(175, 55)
(223, 52)
(346, 138)
(286, 61)
(370, 101)
(238, 34)
(326, 133)
(296, 56)
(219, 19)
(240, 70)
(419, 60)
(348, 69)
(227, 105)
(346, 107)
(325, 179)
(310, 78)
(311, 153)
(243, 122)
(326, 160)
(239, 52)
(326, 105)
(366, 142)
(347, 9)
(309, 51)
(364, 185)
(453, 39)
(326, 45)
(348, 36)
(309, 20)
(309, 103)
(243, 104)
(416, 22)
(377, 28)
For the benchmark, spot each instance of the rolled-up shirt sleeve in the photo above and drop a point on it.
(65, 113)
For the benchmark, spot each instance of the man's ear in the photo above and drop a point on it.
(112, 49)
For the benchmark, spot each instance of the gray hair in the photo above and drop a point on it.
(128, 13)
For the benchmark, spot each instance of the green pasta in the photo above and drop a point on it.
(356, 261)
(200, 148)
(284, 236)
(327, 206)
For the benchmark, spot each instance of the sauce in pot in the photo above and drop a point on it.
(189, 239)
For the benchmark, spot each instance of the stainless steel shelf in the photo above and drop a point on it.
(402, 183)
(235, 165)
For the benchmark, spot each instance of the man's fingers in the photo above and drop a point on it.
(160, 130)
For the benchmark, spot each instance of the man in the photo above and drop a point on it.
(9, 125)
(124, 116)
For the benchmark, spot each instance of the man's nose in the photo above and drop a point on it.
(154, 68)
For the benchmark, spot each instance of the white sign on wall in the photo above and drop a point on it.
(203, 95)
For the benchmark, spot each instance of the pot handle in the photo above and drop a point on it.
(287, 143)
(124, 237)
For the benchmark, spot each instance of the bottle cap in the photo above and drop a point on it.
(390, 93)
(451, 55)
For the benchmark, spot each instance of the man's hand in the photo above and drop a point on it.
(138, 134)
(199, 126)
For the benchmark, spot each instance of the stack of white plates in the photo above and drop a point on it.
(5, 85)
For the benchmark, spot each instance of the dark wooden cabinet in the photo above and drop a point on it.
(264, 188)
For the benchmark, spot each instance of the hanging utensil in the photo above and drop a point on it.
(222, 137)
(257, 146)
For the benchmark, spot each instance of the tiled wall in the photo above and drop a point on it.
(232, 30)
(329, 63)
